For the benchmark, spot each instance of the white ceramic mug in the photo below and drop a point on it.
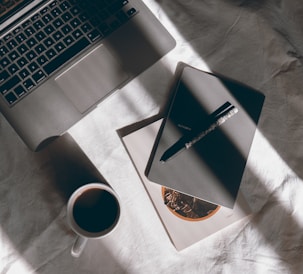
(93, 211)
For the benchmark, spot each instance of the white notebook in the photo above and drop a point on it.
(186, 220)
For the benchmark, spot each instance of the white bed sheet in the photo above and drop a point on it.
(259, 43)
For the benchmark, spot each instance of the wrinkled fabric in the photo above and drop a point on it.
(259, 43)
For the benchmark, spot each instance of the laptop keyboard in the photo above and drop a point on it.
(39, 46)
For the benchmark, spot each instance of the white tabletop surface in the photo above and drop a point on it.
(259, 43)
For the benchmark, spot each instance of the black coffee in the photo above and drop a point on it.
(96, 210)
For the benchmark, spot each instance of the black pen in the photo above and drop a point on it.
(189, 140)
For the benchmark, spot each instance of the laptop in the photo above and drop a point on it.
(60, 58)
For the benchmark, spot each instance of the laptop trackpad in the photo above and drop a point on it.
(92, 78)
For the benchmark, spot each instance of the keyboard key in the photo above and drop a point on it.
(40, 36)
(48, 42)
(47, 18)
(11, 98)
(51, 53)
(77, 34)
(24, 73)
(103, 15)
(75, 10)
(9, 84)
(65, 5)
(4, 62)
(49, 29)
(44, 10)
(3, 51)
(31, 42)
(57, 35)
(28, 84)
(56, 12)
(66, 29)
(26, 24)
(13, 69)
(86, 27)
(20, 38)
(33, 66)
(22, 49)
(105, 29)
(12, 44)
(39, 76)
(20, 91)
(75, 23)
(41, 60)
(3, 76)
(22, 62)
(84, 5)
(58, 23)
(17, 30)
(94, 35)
(38, 25)
(31, 55)
(35, 17)
(8, 37)
(59, 47)
(53, 4)
(68, 40)
(40, 48)
(13, 55)
(95, 21)
(66, 55)
(66, 16)
(131, 12)
(29, 31)
(83, 17)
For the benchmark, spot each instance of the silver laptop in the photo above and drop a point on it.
(59, 58)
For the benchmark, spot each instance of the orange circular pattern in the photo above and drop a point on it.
(187, 207)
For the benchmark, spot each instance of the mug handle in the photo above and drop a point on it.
(78, 246)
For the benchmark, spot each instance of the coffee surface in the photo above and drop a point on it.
(96, 210)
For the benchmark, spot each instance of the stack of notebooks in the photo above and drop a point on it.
(191, 158)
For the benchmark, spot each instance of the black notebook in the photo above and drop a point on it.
(204, 140)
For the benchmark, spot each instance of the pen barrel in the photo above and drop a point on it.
(212, 127)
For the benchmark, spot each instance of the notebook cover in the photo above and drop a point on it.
(212, 168)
